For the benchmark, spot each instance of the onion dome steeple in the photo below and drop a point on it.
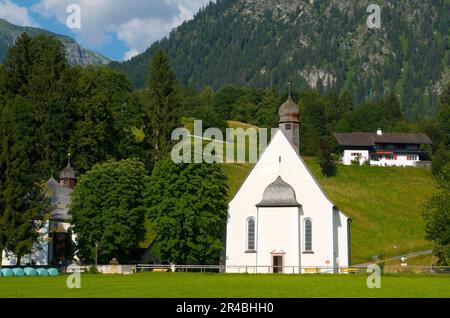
(290, 121)
(67, 176)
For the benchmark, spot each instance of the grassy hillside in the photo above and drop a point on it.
(384, 204)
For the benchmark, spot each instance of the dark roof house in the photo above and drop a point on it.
(371, 139)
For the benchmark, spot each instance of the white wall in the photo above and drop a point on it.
(347, 157)
(402, 161)
(40, 252)
(278, 234)
(315, 205)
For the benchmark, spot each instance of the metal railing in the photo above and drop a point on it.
(289, 269)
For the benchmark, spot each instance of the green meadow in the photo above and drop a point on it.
(203, 285)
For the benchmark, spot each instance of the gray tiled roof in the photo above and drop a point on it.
(370, 139)
(60, 197)
(279, 194)
(67, 173)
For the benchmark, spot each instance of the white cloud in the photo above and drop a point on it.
(15, 14)
(130, 54)
(137, 23)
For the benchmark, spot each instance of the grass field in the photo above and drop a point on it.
(385, 205)
(196, 285)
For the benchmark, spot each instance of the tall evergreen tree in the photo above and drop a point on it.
(441, 156)
(23, 204)
(2, 85)
(326, 160)
(162, 105)
(36, 69)
(444, 114)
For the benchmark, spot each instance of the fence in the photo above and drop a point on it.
(130, 269)
(289, 269)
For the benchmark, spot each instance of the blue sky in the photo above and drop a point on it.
(118, 29)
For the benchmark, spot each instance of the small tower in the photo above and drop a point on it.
(290, 122)
(67, 177)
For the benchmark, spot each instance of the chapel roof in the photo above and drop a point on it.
(67, 172)
(279, 194)
(60, 199)
(289, 111)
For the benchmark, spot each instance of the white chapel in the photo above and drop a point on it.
(281, 221)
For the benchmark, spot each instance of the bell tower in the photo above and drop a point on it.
(67, 177)
(290, 121)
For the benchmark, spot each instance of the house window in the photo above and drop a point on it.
(288, 126)
(251, 246)
(308, 236)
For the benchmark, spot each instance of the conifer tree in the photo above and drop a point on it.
(162, 105)
(326, 160)
(23, 204)
(36, 69)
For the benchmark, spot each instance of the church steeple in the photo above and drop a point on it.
(290, 121)
(67, 177)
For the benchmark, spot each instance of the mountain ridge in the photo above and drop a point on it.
(76, 55)
(324, 45)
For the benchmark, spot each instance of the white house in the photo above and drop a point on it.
(383, 149)
(281, 221)
(54, 243)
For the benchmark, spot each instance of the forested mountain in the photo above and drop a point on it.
(317, 44)
(75, 54)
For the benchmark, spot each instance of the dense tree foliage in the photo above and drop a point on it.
(442, 134)
(327, 163)
(324, 45)
(108, 208)
(437, 218)
(23, 205)
(188, 207)
(36, 70)
(48, 108)
(106, 117)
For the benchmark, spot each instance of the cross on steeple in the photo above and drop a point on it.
(68, 158)
(289, 88)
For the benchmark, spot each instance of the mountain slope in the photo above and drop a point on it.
(320, 44)
(76, 55)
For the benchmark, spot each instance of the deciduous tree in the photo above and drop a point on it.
(107, 208)
(437, 218)
(188, 207)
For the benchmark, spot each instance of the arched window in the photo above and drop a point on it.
(251, 225)
(308, 235)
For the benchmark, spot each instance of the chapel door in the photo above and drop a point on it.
(277, 264)
(61, 247)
